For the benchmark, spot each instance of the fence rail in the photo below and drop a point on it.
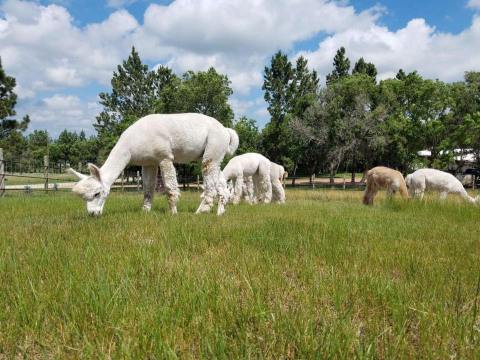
(129, 180)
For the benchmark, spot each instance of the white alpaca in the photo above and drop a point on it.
(277, 176)
(436, 180)
(160, 140)
(251, 164)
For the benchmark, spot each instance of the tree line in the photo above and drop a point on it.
(352, 123)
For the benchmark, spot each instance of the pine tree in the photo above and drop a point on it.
(8, 100)
(135, 93)
(341, 66)
(362, 67)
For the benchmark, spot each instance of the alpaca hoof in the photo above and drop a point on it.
(174, 211)
(147, 208)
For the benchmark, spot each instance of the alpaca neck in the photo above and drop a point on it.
(117, 160)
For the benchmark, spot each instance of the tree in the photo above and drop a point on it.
(278, 94)
(288, 91)
(322, 130)
(11, 130)
(247, 131)
(364, 118)
(38, 142)
(277, 86)
(362, 67)
(136, 92)
(206, 92)
(341, 66)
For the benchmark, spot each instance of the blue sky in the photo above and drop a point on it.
(63, 52)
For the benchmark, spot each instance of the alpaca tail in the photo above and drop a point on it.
(234, 141)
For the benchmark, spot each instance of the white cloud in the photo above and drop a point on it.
(417, 46)
(59, 112)
(474, 4)
(44, 48)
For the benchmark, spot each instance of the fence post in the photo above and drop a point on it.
(343, 182)
(138, 180)
(122, 178)
(45, 171)
(313, 181)
(198, 182)
(2, 174)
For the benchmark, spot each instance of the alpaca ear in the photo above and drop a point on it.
(94, 171)
(76, 173)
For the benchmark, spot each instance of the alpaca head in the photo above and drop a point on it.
(91, 189)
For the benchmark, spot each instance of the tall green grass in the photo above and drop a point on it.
(322, 276)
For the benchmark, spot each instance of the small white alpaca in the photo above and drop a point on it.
(277, 176)
(436, 180)
(250, 164)
(160, 140)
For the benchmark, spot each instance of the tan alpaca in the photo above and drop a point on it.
(381, 177)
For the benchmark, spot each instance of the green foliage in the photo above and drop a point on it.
(288, 91)
(137, 91)
(341, 66)
(248, 134)
(206, 92)
(362, 67)
(11, 138)
(72, 148)
(134, 93)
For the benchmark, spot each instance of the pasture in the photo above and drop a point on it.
(321, 276)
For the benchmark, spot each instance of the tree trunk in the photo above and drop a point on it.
(332, 173)
(294, 174)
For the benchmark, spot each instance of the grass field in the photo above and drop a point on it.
(320, 277)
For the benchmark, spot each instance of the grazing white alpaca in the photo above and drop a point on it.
(250, 164)
(381, 177)
(277, 176)
(160, 140)
(436, 180)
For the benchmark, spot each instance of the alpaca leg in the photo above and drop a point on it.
(209, 183)
(169, 176)
(149, 174)
(266, 182)
(257, 189)
(238, 189)
(222, 190)
(250, 191)
(230, 189)
(278, 193)
(391, 192)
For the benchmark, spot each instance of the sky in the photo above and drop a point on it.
(63, 52)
